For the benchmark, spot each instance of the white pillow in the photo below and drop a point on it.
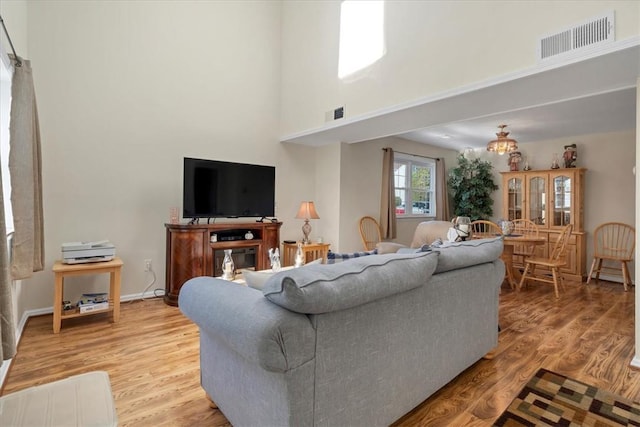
(256, 279)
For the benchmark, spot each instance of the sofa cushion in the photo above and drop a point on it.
(334, 257)
(257, 279)
(388, 247)
(465, 254)
(325, 288)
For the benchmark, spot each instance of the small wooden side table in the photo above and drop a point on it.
(311, 251)
(62, 270)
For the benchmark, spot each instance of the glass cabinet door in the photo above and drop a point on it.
(562, 199)
(514, 199)
(538, 200)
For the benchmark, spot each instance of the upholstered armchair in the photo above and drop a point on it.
(426, 233)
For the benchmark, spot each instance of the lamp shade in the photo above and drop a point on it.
(307, 211)
(503, 144)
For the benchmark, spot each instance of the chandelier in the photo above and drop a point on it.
(503, 144)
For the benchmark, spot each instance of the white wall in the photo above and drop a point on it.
(125, 91)
(432, 47)
(14, 15)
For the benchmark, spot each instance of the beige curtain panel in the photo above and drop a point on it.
(7, 319)
(25, 165)
(388, 197)
(442, 197)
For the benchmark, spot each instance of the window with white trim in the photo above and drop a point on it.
(415, 186)
(6, 73)
(361, 35)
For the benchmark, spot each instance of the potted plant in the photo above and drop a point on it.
(471, 184)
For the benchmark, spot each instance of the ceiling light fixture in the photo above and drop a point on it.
(503, 144)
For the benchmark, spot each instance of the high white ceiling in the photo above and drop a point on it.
(594, 93)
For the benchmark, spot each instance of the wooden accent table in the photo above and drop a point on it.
(513, 275)
(311, 251)
(62, 270)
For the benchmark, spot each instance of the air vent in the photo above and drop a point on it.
(594, 32)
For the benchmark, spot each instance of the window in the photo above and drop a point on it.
(415, 186)
(361, 35)
(6, 73)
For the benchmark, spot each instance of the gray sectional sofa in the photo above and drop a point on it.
(359, 343)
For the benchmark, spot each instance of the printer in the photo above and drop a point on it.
(83, 252)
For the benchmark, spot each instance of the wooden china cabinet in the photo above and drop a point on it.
(552, 199)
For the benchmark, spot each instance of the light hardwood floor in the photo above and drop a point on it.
(152, 358)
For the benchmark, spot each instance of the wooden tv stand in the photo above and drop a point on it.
(190, 252)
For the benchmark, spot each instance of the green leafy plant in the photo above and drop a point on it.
(471, 184)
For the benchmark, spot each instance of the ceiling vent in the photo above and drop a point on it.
(579, 37)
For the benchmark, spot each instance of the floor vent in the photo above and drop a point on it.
(594, 32)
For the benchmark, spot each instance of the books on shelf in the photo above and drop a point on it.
(93, 302)
(85, 308)
(95, 298)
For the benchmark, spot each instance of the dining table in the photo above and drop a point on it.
(510, 241)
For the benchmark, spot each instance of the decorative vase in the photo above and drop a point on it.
(274, 259)
(462, 225)
(507, 227)
(555, 163)
(228, 268)
(248, 235)
(299, 259)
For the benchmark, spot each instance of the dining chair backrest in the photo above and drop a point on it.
(561, 243)
(525, 227)
(614, 240)
(370, 232)
(482, 229)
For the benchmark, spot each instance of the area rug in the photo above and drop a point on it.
(550, 399)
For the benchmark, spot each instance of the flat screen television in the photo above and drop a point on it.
(214, 188)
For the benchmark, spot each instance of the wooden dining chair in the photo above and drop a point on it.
(370, 232)
(554, 263)
(613, 242)
(525, 227)
(482, 229)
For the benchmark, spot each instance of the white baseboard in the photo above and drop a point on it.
(4, 368)
(635, 362)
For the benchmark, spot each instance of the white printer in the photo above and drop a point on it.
(82, 252)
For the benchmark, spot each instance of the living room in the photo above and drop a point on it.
(126, 90)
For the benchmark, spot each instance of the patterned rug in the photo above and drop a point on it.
(550, 399)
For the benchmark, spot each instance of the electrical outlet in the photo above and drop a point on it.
(147, 265)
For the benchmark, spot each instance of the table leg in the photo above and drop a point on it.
(507, 257)
(114, 293)
(57, 303)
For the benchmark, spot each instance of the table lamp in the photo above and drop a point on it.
(307, 211)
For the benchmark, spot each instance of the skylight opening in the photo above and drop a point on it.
(361, 35)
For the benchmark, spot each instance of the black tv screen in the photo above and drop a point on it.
(214, 188)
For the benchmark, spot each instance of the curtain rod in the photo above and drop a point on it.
(18, 61)
(437, 159)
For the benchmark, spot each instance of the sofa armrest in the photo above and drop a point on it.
(388, 247)
(241, 317)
